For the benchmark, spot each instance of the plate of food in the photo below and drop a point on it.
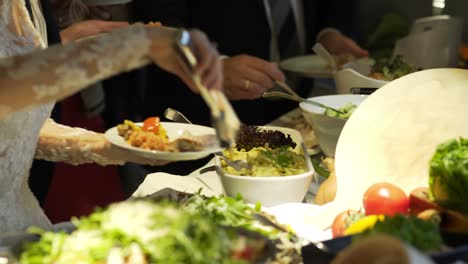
(165, 140)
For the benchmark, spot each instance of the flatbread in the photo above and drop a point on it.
(393, 134)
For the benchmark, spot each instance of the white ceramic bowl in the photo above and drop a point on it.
(326, 128)
(355, 74)
(274, 190)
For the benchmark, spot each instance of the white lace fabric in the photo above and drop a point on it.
(72, 144)
(29, 82)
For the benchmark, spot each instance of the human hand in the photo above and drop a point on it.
(112, 152)
(88, 28)
(163, 54)
(248, 77)
(338, 44)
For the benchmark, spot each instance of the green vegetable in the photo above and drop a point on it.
(346, 111)
(424, 235)
(448, 175)
(392, 68)
(164, 233)
(191, 231)
(319, 169)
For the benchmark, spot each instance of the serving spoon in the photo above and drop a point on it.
(177, 116)
(292, 95)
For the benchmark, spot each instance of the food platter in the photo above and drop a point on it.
(174, 131)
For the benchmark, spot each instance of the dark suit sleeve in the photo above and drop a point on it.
(339, 14)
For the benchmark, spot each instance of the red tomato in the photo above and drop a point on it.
(385, 198)
(151, 124)
(343, 220)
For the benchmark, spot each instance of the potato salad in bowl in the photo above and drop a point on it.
(280, 169)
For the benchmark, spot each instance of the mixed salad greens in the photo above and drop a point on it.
(389, 69)
(448, 175)
(346, 111)
(422, 234)
(195, 230)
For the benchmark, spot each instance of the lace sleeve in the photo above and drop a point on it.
(59, 71)
(72, 145)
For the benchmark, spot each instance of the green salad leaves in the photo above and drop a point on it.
(448, 175)
(195, 229)
(422, 234)
(160, 233)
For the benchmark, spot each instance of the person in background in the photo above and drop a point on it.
(253, 36)
(34, 76)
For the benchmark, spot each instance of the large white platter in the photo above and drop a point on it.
(393, 134)
(174, 131)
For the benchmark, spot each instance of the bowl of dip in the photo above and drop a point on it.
(276, 176)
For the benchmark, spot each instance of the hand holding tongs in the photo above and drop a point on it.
(223, 117)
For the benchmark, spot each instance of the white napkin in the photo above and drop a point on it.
(209, 182)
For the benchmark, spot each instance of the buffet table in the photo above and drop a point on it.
(208, 182)
(206, 178)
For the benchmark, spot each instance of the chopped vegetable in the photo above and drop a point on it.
(151, 124)
(448, 175)
(346, 111)
(319, 169)
(266, 161)
(389, 69)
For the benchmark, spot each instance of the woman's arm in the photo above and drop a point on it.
(55, 73)
(76, 146)
(59, 71)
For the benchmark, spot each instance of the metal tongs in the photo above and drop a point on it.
(223, 118)
(290, 94)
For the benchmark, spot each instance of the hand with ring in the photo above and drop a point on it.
(248, 77)
(247, 84)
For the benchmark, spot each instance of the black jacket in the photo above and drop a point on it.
(237, 27)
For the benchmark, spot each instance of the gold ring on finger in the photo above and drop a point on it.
(247, 84)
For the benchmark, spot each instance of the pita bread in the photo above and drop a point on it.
(393, 134)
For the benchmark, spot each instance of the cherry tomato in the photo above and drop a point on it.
(343, 220)
(151, 124)
(385, 198)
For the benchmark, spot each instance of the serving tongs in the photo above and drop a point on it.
(290, 94)
(223, 118)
